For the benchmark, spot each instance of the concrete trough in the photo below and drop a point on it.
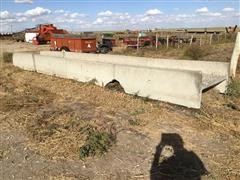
(24, 60)
(210, 70)
(182, 87)
(176, 81)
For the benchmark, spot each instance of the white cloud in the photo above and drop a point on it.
(98, 21)
(70, 19)
(153, 12)
(22, 19)
(76, 15)
(23, 1)
(7, 17)
(211, 14)
(185, 15)
(59, 11)
(123, 16)
(4, 15)
(202, 10)
(107, 18)
(214, 14)
(146, 18)
(36, 12)
(205, 12)
(105, 13)
(228, 9)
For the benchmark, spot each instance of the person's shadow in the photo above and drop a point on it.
(173, 161)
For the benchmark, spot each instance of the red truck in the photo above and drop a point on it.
(73, 43)
(132, 41)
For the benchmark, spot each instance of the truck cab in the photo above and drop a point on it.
(106, 44)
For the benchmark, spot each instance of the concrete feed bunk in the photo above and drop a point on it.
(212, 71)
(183, 87)
(176, 81)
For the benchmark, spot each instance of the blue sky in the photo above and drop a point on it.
(90, 15)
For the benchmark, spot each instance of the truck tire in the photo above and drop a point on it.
(104, 50)
(64, 48)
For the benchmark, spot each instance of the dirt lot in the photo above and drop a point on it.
(45, 120)
(12, 46)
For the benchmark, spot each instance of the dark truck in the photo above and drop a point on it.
(107, 42)
(19, 36)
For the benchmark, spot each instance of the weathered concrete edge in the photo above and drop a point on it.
(206, 67)
(43, 64)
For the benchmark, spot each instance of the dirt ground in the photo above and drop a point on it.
(44, 121)
(12, 46)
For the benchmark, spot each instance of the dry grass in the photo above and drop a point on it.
(215, 52)
(56, 114)
(57, 121)
(196, 52)
(54, 125)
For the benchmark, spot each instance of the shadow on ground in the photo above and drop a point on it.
(172, 161)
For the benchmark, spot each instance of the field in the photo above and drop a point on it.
(53, 128)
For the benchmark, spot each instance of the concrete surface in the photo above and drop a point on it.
(24, 60)
(209, 69)
(170, 85)
(85, 71)
(235, 57)
(50, 65)
(183, 87)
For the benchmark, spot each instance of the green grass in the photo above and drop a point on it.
(137, 112)
(134, 122)
(7, 57)
(97, 144)
(233, 89)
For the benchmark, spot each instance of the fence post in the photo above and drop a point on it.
(200, 40)
(178, 43)
(156, 42)
(191, 40)
(1, 57)
(210, 40)
(137, 43)
(167, 41)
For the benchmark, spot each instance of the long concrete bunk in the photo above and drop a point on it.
(176, 81)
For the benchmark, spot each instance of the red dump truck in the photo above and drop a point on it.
(73, 43)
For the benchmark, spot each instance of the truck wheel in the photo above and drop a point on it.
(64, 48)
(104, 50)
